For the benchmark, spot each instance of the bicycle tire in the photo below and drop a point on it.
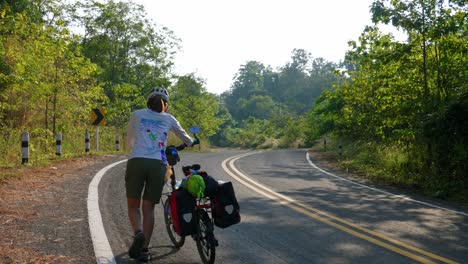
(177, 240)
(205, 240)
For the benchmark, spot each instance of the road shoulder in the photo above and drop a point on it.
(43, 213)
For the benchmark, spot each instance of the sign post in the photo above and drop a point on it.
(97, 139)
(97, 119)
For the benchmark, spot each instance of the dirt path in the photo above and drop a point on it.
(43, 212)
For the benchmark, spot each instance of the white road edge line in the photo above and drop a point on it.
(101, 245)
(381, 191)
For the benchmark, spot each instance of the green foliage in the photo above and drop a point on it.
(128, 48)
(47, 80)
(293, 132)
(27, 7)
(253, 132)
(447, 131)
(49, 83)
(127, 98)
(279, 97)
(192, 105)
(404, 102)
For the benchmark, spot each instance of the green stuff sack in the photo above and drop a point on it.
(196, 186)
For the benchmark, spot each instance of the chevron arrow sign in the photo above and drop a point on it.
(97, 117)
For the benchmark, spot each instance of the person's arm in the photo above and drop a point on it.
(180, 132)
(131, 131)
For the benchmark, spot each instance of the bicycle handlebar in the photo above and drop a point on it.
(172, 151)
(183, 145)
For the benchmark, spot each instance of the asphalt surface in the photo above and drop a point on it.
(365, 226)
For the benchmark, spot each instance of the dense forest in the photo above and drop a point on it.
(399, 108)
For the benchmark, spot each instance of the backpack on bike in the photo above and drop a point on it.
(210, 184)
(183, 213)
(226, 208)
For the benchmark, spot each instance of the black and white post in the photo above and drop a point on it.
(117, 142)
(340, 147)
(25, 147)
(58, 144)
(87, 143)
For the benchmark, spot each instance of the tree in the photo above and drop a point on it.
(293, 80)
(277, 96)
(258, 106)
(432, 26)
(193, 106)
(45, 79)
(402, 95)
(248, 82)
(126, 46)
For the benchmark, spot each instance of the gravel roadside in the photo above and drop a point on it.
(43, 212)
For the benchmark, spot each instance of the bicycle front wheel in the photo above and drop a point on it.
(177, 240)
(206, 242)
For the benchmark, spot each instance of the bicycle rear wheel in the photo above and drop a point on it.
(205, 240)
(177, 240)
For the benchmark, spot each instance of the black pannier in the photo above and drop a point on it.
(186, 212)
(226, 208)
(210, 184)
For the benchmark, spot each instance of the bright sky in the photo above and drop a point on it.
(217, 37)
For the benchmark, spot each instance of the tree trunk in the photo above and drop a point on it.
(54, 110)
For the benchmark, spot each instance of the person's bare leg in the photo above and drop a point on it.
(134, 213)
(148, 220)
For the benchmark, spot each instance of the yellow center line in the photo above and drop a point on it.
(306, 210)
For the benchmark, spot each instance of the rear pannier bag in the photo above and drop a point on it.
(174, 213)
(186, 213)
(210, 184)
(226, 208)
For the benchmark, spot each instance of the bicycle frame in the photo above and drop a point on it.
(204, 237)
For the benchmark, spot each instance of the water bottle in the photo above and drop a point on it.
(183, 182)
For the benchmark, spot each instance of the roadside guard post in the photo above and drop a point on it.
(24, 147)
(340, 147)
(58, 143)
(87, 143)
(117, 143)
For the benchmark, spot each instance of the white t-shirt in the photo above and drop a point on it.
(147, 134)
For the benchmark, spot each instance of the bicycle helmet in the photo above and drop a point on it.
(196, 186)
(161, 92)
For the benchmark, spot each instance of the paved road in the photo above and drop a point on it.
(294, 213)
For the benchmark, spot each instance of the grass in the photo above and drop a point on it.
(393, 165)
(42, 151)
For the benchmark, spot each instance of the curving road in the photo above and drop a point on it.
(293, 212)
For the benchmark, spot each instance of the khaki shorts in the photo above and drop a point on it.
(144, 179)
